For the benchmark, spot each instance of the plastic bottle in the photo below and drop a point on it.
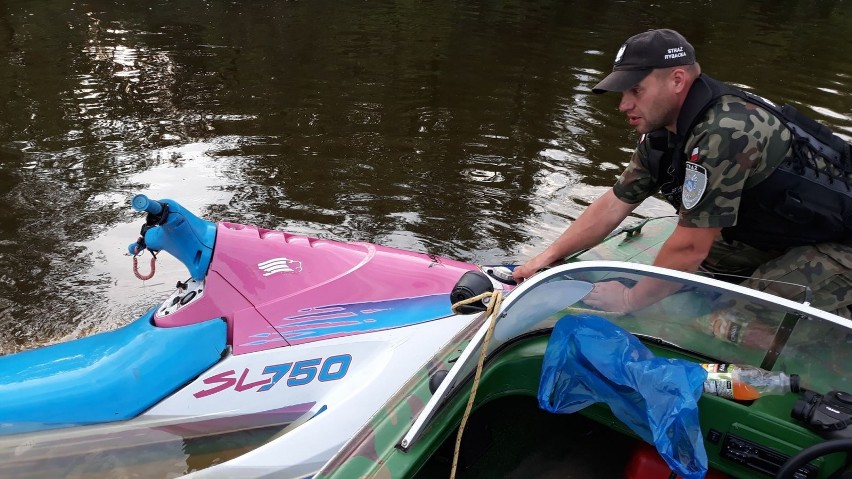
(747, 383)
(729, 326)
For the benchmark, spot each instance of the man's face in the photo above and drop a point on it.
(651, 104)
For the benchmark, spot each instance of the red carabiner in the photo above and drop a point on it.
(136, 272)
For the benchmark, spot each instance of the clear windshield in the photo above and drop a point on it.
(720, 321)
(711, 318)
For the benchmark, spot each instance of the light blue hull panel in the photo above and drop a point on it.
(112, 376)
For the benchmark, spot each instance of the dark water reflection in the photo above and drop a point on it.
(464, 129)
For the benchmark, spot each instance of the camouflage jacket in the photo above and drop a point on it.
(749, 167)
(735, 146)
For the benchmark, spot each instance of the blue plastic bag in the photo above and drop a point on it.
(589, 359)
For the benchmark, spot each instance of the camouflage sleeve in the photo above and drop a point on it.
(636, 182)
(727, 147)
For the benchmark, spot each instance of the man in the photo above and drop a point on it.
(723, 159)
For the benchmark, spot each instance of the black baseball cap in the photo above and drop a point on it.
(641, 54)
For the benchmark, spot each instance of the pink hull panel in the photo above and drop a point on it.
(219, 299)
(285, 289)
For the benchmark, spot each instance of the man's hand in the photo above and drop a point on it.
(609, 296)
(524, 271)
(530, 268)
(597, 221)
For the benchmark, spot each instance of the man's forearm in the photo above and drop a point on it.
(683, 251)
(597, 221)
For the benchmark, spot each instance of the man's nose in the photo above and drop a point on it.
(626, 103)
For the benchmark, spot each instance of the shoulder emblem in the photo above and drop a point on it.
(694, 184)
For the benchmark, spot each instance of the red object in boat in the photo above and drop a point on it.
(646, 463)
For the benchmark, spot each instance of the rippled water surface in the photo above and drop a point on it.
(464, 129)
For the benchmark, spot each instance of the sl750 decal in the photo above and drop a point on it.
(297, 374)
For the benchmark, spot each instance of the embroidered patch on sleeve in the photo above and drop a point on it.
(694, 185)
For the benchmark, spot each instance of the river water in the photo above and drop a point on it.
(465, 129)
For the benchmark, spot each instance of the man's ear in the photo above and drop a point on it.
(678, 78)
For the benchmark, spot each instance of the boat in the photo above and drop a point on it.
(276, 349)
(480, 411)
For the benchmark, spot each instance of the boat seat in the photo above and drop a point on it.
(111, 376)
